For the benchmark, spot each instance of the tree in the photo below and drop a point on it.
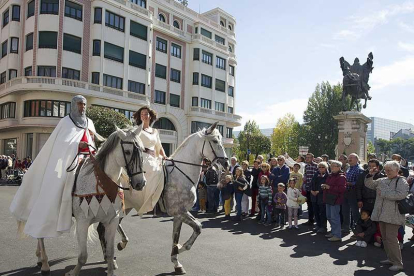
(251, 139)
(321, 133)
(184, 2)
(383, 146)
(285, 136)
(105, 119)
(370, 148)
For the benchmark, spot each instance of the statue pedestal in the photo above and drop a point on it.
(352, 136)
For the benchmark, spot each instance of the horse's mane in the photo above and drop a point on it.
(199, 133)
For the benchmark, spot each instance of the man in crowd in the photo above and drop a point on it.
(280, 174)
(212, 177)
(310, 169)
(233, 165)
(403, 168)
(325, 157)
(344, 160)
(350, 203)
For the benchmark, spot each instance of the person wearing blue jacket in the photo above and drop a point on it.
(281, 173)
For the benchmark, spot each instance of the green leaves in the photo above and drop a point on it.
(251, 138)
(285, 136)
(404, 147)
(105, 119)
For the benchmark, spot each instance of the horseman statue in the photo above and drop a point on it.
(355, 83)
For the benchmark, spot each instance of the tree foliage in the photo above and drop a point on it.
(183, 2)
(404, 147)
(286, 136)
(105, 119)
(370, 148)
(321, 129)
(250, 138)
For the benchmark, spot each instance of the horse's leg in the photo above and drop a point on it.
(38, 255)
(45, 269)
(365, 104)
(175, 247)
(101, 234)
(123, 243)
(110, 230)
(82, 235)
(188, 219)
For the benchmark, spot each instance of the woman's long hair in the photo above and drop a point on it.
(152, 113)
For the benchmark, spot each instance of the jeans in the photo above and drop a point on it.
(213, 198)
(310, 206)
(332, 214)
(349, 205)
(265, 210)
(320, 214)
(239, 197)
(280, 219)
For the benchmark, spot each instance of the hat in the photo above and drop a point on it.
(281, 185)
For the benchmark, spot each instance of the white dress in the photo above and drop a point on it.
(145, 200)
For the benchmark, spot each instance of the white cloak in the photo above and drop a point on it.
(44, 200)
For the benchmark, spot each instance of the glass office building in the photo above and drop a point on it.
(381, 128)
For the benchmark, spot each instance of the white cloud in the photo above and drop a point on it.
(406, 27)
(409, 47)
(346, 35)
(399, 73)
(266, 116)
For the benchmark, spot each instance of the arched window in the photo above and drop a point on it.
(230, 49)
(161, 17)
(164, 123)
(176, 24)
(230, 27)
(222, 23)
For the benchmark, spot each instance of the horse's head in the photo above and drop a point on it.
(212, 147)
(129, 155)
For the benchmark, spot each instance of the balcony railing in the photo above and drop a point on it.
(172, 29)
(168, 132)
(217, 113)
(211, 42)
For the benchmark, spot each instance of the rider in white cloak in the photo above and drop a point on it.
(43, 203)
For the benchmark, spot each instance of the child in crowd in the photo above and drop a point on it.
(227, 194)
(299, 176)
(265, 198)
(292, 203)
(280, 199)
(365, 229)
(202, 196)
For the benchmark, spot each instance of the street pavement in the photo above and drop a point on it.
(223, 248)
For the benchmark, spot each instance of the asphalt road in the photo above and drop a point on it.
(223, 248)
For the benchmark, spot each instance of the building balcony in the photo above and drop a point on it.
(209, 42)
(172, 31)
(135, 7)
(233, 119)
(70, 86)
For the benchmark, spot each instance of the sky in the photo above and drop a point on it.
(285, 48)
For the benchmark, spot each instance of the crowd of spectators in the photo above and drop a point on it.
(10, 164)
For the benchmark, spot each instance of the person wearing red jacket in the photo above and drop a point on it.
(333, 196)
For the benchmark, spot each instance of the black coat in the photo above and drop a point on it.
(363, 193)
(211, 176)
(317, 181)
(367, 227)
(255, 175)
(240, 182)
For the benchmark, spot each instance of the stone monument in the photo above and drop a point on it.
(352, 124)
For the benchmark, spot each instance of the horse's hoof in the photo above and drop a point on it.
(115, 265)
(45, 272)
(179, 271)
(39, 264)
(119, 246)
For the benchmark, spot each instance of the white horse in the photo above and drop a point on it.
(184, 168)
(95, 197)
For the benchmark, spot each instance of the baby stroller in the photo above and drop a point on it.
(15, 177)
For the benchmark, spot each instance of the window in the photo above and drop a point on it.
(29, 42)
(220, 129)
(194, 101)
(112, 81)
(206, 81)
(160, 71)
(137, 60)
(196, 30)
(114, 21)
(12, 74)
(230, 27)
(3, 77)
(195, 78)
(48, 40)
(220, 40)
(205, 103)
(230, 49)
(136, 87)
(30, 8)
(96, 51)
(219, 106)
(4, 49)
(72, 74)
(164, 123)
(28, 71)
(229, 132)
(46, 71)
(220, 85)
(14, 45)
(176, 24)
(15, 13)
(141, 3)
(220, 63)
(222, 23)
(159, 97)
(46, 108)
(98, 16)
(175, 75)
(95, 78)
(206, 33)
(196, 55)
(231, 70)
(175, 100)
(113, 52)
(161, 45)
(7, 110)
(176, 50)
(72, 43)
(161, 17)
(196, 126)
(73, 10)
(207, 57)
(230, 109)
(6, 18)
(138, 30)
(49, 7)
(231, 91)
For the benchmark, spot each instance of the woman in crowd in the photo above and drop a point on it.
(255, 188)
(319, 208)
(265, 171)
(240, 184)
(245, 200)
(389, 191)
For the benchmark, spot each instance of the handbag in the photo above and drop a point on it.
(330, 198)
(406, 205)
(301, 199)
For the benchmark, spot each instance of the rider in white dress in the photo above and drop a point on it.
(145, 200)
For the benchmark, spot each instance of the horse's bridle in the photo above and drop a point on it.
(136, 160)
(214, 152)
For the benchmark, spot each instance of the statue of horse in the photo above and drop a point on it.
(183, 171)
(96, 195)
